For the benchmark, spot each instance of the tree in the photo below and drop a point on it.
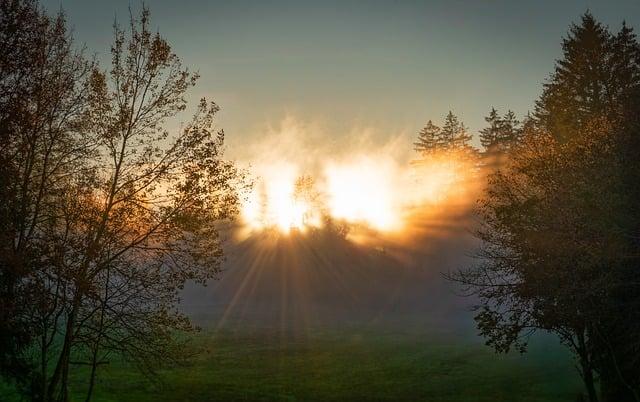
(104, 213)
(509, 129)
(454, 133)
(147, 212)
(43, 99)
(429, 139)
(490, 136)
(596, 72)
(533, 272)
(560, 226)
(502, 132)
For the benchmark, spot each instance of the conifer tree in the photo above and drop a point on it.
(490, 135)
(589, 80)
(454, 133)
(429, 139)
(509, 129)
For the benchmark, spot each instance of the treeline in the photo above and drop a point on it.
(104, 212)
(560, 218)
(501, 134)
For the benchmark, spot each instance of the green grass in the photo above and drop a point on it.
(349, 365)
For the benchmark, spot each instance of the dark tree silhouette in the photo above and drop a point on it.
(43, 100)
(429, 139)
(490, 136)
(560, 221)
(594, 75)
(454, 134)
(104, 213)
(452, 137)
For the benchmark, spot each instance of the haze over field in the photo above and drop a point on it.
(357, 234)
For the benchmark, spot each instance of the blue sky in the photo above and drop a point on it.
(388, 65)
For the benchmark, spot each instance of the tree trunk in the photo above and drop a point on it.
(589, 383)
(586, 367)
(59, 380)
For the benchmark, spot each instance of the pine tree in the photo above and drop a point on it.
(489, 136)
(454, 133)
(509, 129)
(527, 125)
(625, 65)
(429, 139)
(578, 89)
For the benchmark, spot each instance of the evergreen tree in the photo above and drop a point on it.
(596, 73)
(509, 129)
(528, 125)
(454, 134)
(625, 66)
(429, 139)
(490, 135)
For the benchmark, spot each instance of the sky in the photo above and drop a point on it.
(388, 66)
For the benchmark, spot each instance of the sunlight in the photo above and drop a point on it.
(362, 191)
(273, 203)
(372, 190)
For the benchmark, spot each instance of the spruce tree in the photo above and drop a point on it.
(429, 139)
(509, 129)
(454, 133)
(625, 66)
(586, 83)
(489, 136)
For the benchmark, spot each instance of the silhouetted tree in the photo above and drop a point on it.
(560, 225)
(43, 100)
(147, 212)
(509, 129)
(104, 214)
(490, 136)
(429, 139)
(595, 73)
(454, 134)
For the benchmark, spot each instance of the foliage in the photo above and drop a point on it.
(107, 213)
(560, 222)
(452, 137)
(502, 132)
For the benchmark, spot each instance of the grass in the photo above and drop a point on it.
(346, 365)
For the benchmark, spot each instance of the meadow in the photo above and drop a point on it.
(346, 365)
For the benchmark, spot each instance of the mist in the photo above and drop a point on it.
(335, 271)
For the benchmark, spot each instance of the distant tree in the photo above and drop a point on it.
(429, 139)
(454, 133)
(509, 129)
(527, 125)
(305, 192)
(490, 136)
(501, 134)
(449, 143)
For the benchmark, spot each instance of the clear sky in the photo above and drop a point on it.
(389, 65)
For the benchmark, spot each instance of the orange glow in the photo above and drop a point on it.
(371, 190)
(362, 191)
(274, 204)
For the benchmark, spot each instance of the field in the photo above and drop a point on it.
(347, 365)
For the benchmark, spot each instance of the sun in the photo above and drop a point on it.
(371, 190)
